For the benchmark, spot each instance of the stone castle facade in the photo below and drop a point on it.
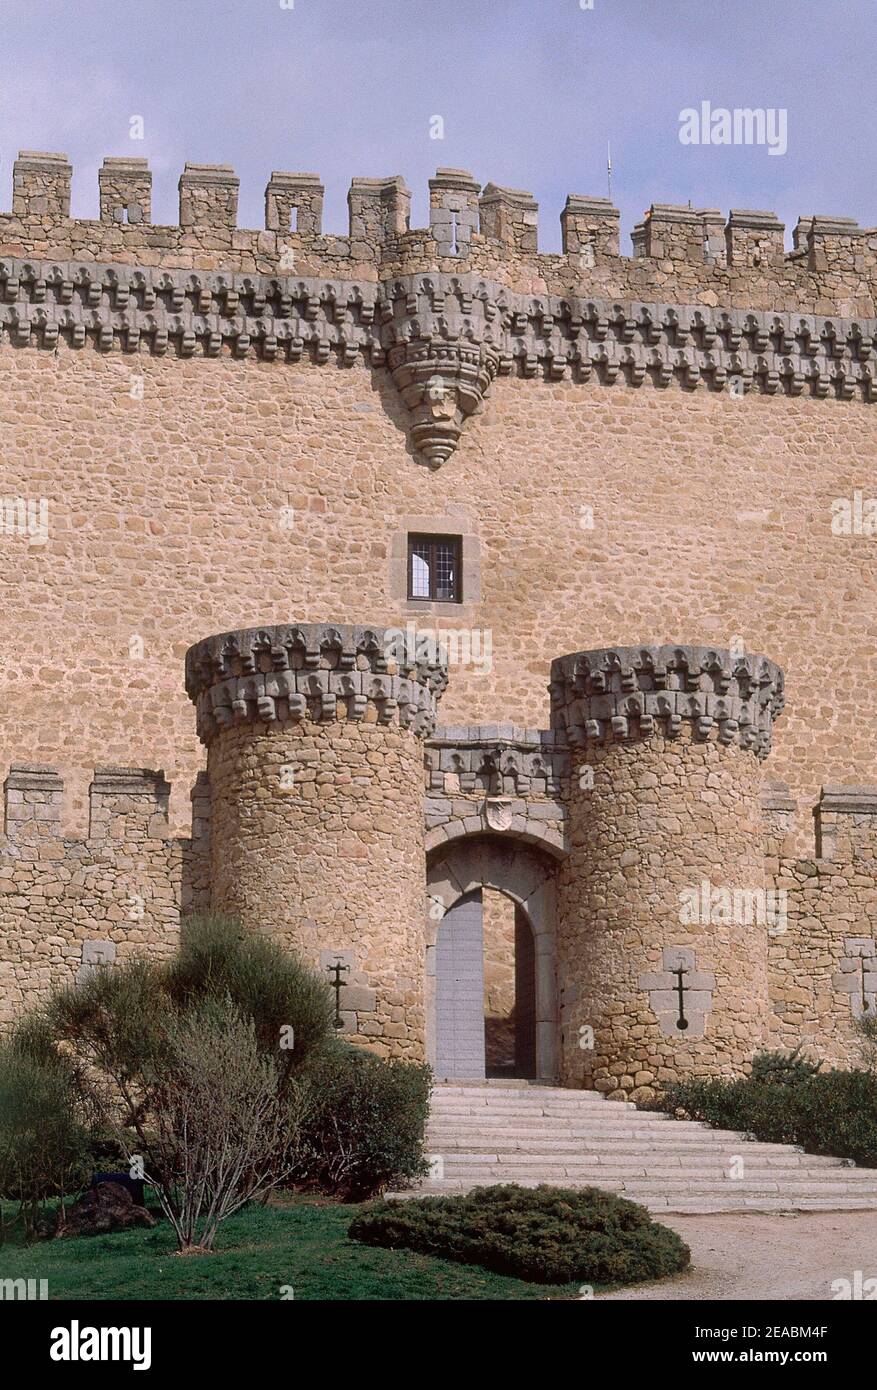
(660, 463)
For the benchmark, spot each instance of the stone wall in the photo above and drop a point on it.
(205, 427)
(664, 794)
(690, 255)
(823, 957)
(66, 903)
(316, 782)
(166, 498)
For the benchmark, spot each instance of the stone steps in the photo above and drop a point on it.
(672, 1203)
(488, 1132)
(627, 1161)
(604, 1129)
(625, 1145)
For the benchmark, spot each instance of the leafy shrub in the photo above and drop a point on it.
(833, 1113)
(550, 1235)
(192, 1065)
(117, 1019)
(225, 1130)
(783, 1068)
(114, 1023)
(174, 1084)
(866, 1032)
(366, 1123)
(218, 958)
(45, 1129)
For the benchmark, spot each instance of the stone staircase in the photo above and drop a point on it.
(496, 1132)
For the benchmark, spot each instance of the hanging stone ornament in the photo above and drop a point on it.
(442, 384)
(442, 344)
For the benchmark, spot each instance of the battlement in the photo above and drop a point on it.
(832, 265)
(125, 804)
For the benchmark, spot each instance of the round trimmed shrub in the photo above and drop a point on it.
(548, 1235)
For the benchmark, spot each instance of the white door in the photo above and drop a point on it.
(459, 992)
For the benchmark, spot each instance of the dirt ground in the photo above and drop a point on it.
(770, 1257)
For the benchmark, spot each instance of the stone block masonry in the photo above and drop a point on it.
(330, 788)
(664, 792)
(223, 426)
(68, 904)
(660, 393)
(316, 777)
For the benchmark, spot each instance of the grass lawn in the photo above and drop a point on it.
(301, 1243)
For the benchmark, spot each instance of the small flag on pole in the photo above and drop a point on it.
(609, 169)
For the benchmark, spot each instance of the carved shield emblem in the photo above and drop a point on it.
(498, 812)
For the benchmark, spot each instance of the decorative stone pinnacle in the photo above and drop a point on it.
(318, 671)
(625, 693)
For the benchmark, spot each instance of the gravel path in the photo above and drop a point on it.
(768, 1257)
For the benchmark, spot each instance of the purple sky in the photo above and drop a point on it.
(530, 91)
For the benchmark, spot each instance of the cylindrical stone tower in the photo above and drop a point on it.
(663, 913)
(316, 778)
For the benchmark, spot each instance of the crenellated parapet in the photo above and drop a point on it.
(320, 672)
(681, 253)
(702, 304)
(126, 804)
(41, 185)
(846, 823)
(125, 192)
(629, 693)
(497, 758)
(496, 778)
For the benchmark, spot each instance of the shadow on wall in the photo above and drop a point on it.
(509, 988)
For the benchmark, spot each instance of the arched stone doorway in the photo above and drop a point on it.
(464, 1038)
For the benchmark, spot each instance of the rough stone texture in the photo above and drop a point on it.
(229, 425)
(823, 971)
(298, 196)
(681, 255)
(495, 777)
(317, 807)
(191, 480)
(650, 820)
(125, 191)
(319, 671)
(125, 884)
(624, 692)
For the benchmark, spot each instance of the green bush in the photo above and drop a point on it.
(218, 958)
(866, 1034)
(550, 1235)
(832, 1113)
(366, 1124)
(113, 1020)
(783, 1068)
(225, 1131)
(355, 1124)
(45, 1129)
(116, 1020)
